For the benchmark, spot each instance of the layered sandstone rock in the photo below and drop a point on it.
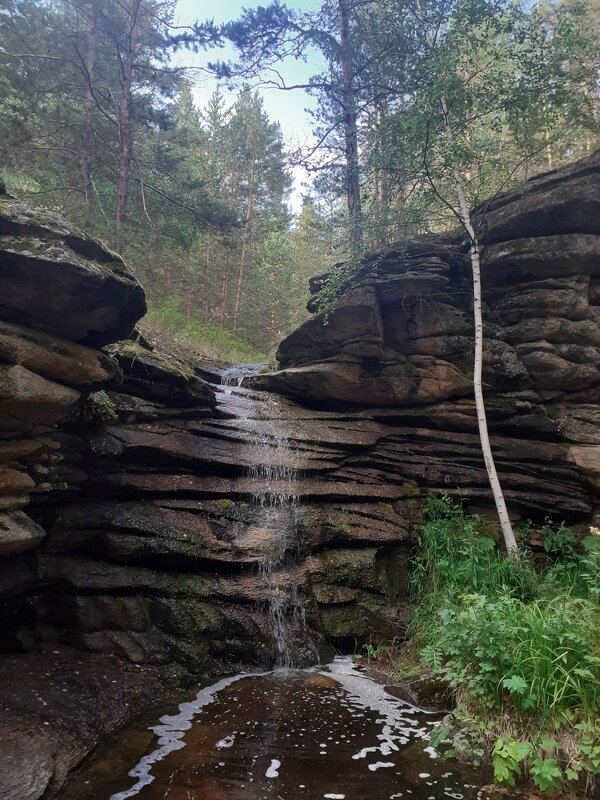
(171, 529)
(400, 336)
(153, 539)
(59, 290)
(57, 279)
(147, 515)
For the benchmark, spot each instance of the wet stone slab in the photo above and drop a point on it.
(283, 735)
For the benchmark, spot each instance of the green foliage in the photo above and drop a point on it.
(515, 643)
(205, 191)
(99, 407)
(546, 773)
(331, 289)
(454, 558)
(558, 540)
(371, 651)
(208, 341)
(506, 760)
(542, 654)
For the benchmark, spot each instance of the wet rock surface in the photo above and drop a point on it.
(56, 705)
(170, 527)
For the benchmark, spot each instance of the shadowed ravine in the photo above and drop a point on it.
(286, 734)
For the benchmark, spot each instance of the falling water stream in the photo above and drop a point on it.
(274, 468)
(326, 733)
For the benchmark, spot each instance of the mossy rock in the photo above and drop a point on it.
(354, 568)
(154, 377)
(185, 617)
(370, 616)
(393, 571)
(58, 279)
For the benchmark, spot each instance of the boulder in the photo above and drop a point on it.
(563, 201)
(93, 300)
(54, 358)
(152, 377)
(354, 382)
(18, 533)
(28, 400)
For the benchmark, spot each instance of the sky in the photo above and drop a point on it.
(285, 107)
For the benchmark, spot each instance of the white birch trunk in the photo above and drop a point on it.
(486, 449)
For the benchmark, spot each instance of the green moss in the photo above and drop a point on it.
(502, 403)
(21, 245)
(133, 351)
(100, 407)
(224, 503)
(410, 490)
(386, 507)
(21, 220)
(340, 522)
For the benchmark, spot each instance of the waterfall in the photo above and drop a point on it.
(274, 468)
(275, 471)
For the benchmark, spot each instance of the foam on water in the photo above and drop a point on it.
(320, 733)
(170, 732)
(273, 771)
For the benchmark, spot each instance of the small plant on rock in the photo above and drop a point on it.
(100, 407)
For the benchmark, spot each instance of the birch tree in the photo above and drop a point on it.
(466, 49)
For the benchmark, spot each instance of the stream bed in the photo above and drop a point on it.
(321, 734)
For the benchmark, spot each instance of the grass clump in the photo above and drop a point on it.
(167, 321)
(100, 408)
(520, 647)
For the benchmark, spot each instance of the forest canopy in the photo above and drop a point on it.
(98, 120)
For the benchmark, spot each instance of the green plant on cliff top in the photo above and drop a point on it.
(332, 286)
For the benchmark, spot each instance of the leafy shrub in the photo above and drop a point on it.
(542, 655)
(520, 647)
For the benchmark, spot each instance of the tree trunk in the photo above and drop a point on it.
(350, 133)
(188, 288)
(273, 325)
(486, 449)
(85, 163)
(207, 284)
(224, 291)
(124, 120)
(245, 239)
(383, 200)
